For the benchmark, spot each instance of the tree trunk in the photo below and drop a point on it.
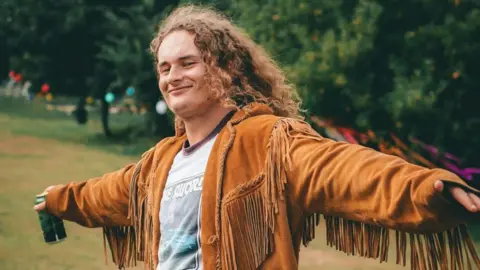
(104, 117)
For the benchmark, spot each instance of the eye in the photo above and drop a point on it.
(187, 64)
(164, 70)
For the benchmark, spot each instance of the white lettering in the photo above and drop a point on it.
(167, 194)
(183, 189)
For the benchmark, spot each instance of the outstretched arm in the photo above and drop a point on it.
(361, 184)
(101, 201)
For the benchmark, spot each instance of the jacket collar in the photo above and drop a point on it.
(249, 110)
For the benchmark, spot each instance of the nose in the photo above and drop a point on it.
(174, 76)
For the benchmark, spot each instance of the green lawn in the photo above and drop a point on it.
(41, 149)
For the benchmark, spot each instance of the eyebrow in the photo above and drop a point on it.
(188, 56)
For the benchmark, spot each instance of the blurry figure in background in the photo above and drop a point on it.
(25, 92)
(243, 182)
(80, 112)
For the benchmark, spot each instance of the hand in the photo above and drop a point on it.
(470, 201)
(41, 206)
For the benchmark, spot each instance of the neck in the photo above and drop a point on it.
(198, 127)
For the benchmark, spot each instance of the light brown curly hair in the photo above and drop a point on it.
(239, 71)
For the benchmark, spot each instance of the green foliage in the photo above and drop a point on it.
(125, 51)
(86, 48)
(402, 66)
(406, 67)
(47, 41)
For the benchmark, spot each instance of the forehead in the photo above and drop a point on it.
(176, 45)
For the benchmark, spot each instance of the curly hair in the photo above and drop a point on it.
(239, 71)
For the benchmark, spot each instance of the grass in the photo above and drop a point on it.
(38, 122)
(28, 165)
(38, 149)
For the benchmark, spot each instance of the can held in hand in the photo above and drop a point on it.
(52, 226)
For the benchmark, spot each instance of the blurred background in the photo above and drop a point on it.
(79, 97)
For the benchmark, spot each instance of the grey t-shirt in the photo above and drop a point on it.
(180, 211)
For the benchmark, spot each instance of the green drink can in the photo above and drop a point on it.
(52, 226)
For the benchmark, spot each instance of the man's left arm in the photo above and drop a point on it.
(361, 184)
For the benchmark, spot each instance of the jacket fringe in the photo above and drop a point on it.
(245, 218)
(452, 249)
(253, 240)
(120, 241)
(129, 244)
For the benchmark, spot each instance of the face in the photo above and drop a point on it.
(182, 75)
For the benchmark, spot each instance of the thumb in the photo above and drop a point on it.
(438, 185)
(39, 207)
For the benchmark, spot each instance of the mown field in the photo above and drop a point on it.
(40, 148)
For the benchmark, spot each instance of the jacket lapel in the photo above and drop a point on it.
(211, 196)
(163, 161)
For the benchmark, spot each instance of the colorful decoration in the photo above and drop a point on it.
(143, 109)
(161, 107)
(130, 91)
(49, 97)
(394, 146)
(90, 100)
(450, 161)
(109, 97)
(455, 75)
(18, 77)
(45, 88)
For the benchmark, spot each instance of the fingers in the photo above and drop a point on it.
(475, 199)
(464, 199)
(39, 207)
(470, 201)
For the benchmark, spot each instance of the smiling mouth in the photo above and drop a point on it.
(177, 89)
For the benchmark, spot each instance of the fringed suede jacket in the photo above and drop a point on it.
(267, 181)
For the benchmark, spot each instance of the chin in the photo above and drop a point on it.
(182, 109)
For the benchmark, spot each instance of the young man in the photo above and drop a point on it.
(242, 183)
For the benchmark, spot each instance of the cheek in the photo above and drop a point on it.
(199, 74)
(162, 85)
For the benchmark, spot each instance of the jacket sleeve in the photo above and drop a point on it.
(361, 184)
(101, 201)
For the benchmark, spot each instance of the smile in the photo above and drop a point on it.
(177, 89)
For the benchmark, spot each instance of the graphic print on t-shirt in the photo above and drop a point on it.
(179, 215)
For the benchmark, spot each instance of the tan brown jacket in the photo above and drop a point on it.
(267, 181)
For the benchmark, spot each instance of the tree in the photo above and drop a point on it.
(396, 66)
(84, 47)
(125, 50)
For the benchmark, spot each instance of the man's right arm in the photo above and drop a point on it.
(101, 201)
(98, 202)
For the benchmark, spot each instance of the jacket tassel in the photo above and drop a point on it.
(452, 249)
(129, 244)
(246, 219)
(252, 244)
